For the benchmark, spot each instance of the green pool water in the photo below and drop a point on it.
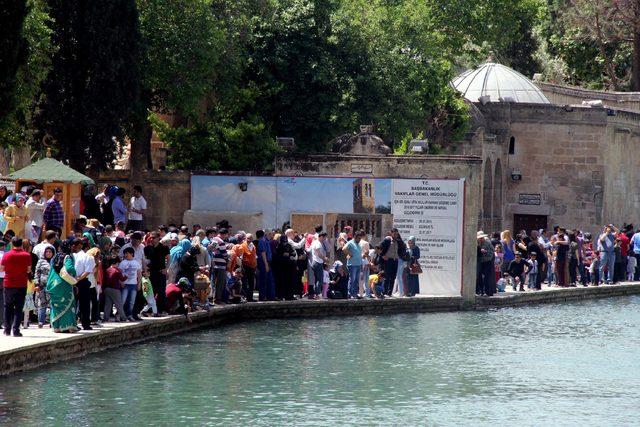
(570, 364)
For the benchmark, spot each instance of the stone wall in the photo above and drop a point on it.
(417, 166)
(621, 192)
(562, 95)
(580, 160)
(168, 193)
(556, 153)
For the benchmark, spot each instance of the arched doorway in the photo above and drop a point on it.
(497, 196)
(487, 190)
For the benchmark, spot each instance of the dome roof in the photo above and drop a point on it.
(499, 83)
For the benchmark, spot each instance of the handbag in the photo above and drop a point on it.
(67, 277)
(416, 268)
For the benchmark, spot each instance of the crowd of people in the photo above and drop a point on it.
(561, 258)
(112, 268)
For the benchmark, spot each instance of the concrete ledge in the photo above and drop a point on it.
(554, 295)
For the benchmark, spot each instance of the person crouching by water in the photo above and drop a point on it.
(339, 282)
(176, 301)
(517, 271)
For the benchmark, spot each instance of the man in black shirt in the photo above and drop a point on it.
(516, 270)
(158, 255)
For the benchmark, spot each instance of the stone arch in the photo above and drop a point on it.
(487, 190)
(497, 195)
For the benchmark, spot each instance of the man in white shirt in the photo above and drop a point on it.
(49, 239)
(84, 265)
(35, 211)
(138, 248)
(318, 258)
(137, 207)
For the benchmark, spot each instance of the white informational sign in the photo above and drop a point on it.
(433, 212)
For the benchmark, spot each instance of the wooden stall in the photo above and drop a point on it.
(48, 174)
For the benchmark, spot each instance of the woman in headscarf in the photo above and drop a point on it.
(176, 253)
(60, 288)
(339, 281)
(16, 215)
(284, 268)
(4, 193)
(413, 276)
(188, 265)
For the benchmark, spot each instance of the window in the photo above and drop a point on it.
(512, 145)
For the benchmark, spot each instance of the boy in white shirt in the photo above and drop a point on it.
(133, 270)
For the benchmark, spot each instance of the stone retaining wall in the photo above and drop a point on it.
(80, 345)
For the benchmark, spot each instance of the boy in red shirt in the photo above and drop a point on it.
(16, 265)
(112, 283)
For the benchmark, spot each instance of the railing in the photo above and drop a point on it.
(562, 95)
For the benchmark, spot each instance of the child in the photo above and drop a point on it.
(147, 292)
(202, 287)
(234, 285)
(631, 267)
(132, 269)
(594, 268)
(112, 284)
(503, 282)
(325, 282)
(498, 260)
(532, 273)
(42, 275)
(29, 305)
(376, 283)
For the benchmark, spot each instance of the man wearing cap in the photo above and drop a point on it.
(53, 216)
(485, 282)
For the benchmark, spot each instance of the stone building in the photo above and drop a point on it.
(546, 164)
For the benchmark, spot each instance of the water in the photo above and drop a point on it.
(570, 364)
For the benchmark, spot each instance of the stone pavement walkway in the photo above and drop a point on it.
(34, 336)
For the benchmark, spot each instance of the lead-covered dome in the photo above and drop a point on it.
(500, 83)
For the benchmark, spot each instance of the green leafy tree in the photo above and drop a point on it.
(17, 127)
(13, 52)
(180, 52)
(94, 81)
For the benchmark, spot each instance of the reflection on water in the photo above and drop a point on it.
(549, 365)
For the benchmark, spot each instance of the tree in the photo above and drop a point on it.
(94, 81)
(13, 52)
(181, 46)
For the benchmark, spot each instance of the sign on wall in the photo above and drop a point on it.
(432, 212)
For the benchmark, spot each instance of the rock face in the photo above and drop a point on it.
(364, 143)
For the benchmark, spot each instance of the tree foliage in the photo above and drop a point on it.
(17, 127)
(94, 81)
(13, 52)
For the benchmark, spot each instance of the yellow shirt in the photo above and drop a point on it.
(15, 218)
(373, 281)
